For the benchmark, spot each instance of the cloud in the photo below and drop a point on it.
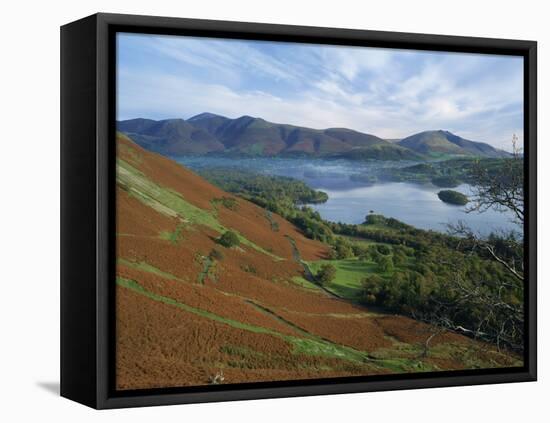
(391, 93)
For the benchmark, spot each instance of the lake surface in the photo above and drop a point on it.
(350, 201)
(415, 204)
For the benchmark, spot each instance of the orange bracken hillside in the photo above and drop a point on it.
(189, 316)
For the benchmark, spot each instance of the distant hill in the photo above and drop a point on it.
(171, 137)
(208, 133)
(433, 143)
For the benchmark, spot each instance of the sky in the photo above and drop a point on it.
(390, 93)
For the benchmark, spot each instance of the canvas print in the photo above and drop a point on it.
(291, 211)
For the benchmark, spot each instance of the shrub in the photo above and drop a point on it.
(229, 239)
(342, 250)
(326, 274)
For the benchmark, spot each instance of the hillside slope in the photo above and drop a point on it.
(188, 309)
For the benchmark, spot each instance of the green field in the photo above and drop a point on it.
(349, 273)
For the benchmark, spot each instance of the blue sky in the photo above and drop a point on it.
(386, 92)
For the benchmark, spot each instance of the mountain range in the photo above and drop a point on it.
(208, 133)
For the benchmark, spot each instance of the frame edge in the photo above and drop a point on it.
(103, 400)
(78, 212)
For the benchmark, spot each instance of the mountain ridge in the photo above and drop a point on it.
(209, 133)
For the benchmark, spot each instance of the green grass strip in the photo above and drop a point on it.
(311, 346)
(146, 267)
(305, 346)
(136, 287)
(176, 236)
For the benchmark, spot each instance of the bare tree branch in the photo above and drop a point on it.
(500, 189)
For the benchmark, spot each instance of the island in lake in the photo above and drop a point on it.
(452, 197)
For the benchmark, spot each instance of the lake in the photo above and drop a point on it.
(415, 204)
(350, 201)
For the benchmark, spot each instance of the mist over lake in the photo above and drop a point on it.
(350, 201)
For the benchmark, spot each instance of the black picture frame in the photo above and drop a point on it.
(87, 208)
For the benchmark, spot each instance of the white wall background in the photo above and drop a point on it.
(29, 240)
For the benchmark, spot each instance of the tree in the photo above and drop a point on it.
(374, 219)
(385, 263)
(229, 239)
(497, 300)
(501, 189)
(481, 307)
(326, 274)
(504, 248)
(371, 286)
(383, 249)
(343, 251)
